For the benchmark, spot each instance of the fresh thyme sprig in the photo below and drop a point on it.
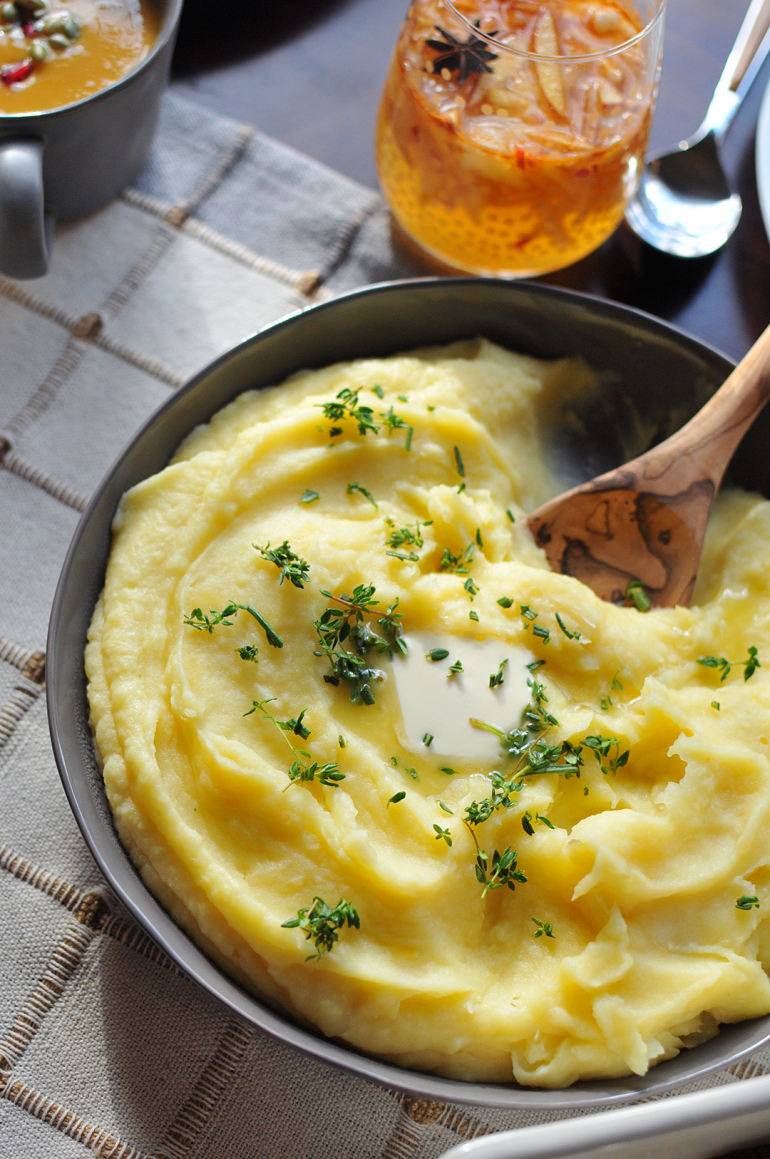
(348, 622)
(300, 770)
(321, 924)
(602, 747)
(497, 678)
(726, 666)
(471, 588)
(504, 870)
(204, 623)
(543, 928)
(393, 421)
(292, 566)
(348, 407)
(248, 652)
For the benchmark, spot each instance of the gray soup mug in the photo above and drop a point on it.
(68, 162)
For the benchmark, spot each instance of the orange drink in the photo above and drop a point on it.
(512, 133)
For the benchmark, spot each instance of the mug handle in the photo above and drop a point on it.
(25, 229)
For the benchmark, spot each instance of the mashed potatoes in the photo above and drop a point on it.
(625, 941)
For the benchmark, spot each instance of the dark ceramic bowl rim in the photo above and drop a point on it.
(183, 951)
(169, 19)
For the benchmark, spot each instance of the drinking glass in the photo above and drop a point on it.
(511, 134)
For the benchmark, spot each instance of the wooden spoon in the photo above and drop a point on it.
(646, 521)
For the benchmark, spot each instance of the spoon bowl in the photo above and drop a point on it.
(684, 205)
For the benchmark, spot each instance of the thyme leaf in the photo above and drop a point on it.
(443, 833)
(436, 654)
(497, 678)
(459, 462)
(747, 902)
(394, 800)
(353, 487)
(309, 496)
(543, 928)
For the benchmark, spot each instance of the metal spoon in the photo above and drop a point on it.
(644, 523)
(684, 205)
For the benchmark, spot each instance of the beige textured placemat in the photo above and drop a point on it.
(105, 1048)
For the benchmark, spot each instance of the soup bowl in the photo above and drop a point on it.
(654, 377)
(64, 163)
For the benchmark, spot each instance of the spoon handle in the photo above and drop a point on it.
(702, 448)
(750, 37)
(743, 64)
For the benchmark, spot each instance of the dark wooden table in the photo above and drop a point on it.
(310, 74)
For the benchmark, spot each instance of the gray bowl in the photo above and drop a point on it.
(654, 378)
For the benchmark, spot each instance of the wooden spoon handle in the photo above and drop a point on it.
(702, 448)
(751, 35)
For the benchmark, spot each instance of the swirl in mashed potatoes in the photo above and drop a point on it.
(636, 870)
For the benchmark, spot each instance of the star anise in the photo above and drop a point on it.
(469, 56)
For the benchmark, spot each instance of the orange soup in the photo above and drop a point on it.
(52, 54)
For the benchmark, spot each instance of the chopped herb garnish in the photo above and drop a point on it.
(747, 902)
(393, 421)
(455, 668)
(471, 588)
(616, 683)
(505, 602)
(309, 496)
(203, 623)
(402, 398)
(504, 870)
(292, 566)
(443, 833)
(339, 624)
(448, 771)
(320, 923)
(721, 663)
(410, 537)
(349, 408)
(526, 822)
(459, 462)
(497, 678)
(542, 633)
(543, 928)
(473, 616)
(431, 408)
(396, 798)
(409, 437)
(570, 635)
(461, 488)
(479, 540)
(427, 740)
(637, 597)
(342, 742)
(436, 654)
(526, 611)
(510, 516)
(248, 652)
(457, 564)
(446, 808)
(378, 391)
(715, 704)
(353, 487)
(602, 747)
